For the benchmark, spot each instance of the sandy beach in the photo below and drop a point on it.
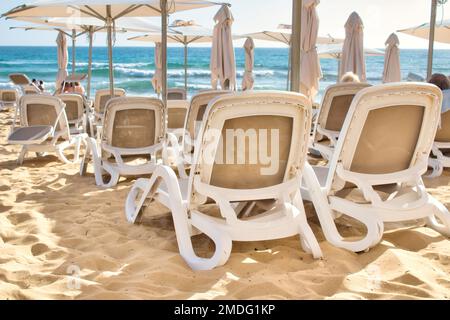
(62, 237)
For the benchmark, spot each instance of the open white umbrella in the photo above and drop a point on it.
(72, 31)
(309, 60)
(352, 59)
(433, 31)
(62, 59)
(223, 64)
(391, 72)
(157, 77)
(182, 32)
(109, 11)
(248, 80)
(283, 35)
(334, 51)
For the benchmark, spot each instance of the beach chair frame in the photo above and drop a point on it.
(320, 127)
(184, 197)
(5, 101)
(55, 137)
(100, 153)
(438, 158)
(79, 122)
(321, 184)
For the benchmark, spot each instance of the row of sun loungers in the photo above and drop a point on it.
(376, 140)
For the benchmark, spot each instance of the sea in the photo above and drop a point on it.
(134, 67)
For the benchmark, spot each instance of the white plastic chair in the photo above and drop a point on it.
(133, 127)
(44, 128)
(375, 173)
(284, 119)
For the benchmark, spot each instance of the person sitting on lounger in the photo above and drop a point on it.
(350, 77)
(68, 88)
(41, 86)
(442, 82)
(78, 88)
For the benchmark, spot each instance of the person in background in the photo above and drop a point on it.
(41, 86)
(350, 77)
(79, 89)
(442, 82)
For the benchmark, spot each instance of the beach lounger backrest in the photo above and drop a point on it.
(133, 122)
(176, 118)
(102, 96)
(389, 128)
(197, 109)
(252, 140)
(443, 132)
(335, 104)
(9, 95)
(38, 110)
(30, 89)
(74, 106)
(176, 94)
(19, 79)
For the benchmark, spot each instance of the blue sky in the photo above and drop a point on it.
(381, 17)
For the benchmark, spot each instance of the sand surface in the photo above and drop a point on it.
(61, 237)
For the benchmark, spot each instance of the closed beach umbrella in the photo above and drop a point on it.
(62, 59)
(223, 65)
(352, 59)
(391, 71)
(157, 77)
(248, 80)
(309, 60)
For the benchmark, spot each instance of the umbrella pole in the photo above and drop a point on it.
(296, 44)
(185, 65)
(74, 44)
(110, 54)
(91, 35)
(289, 71)
(431, 39)
(163, 4)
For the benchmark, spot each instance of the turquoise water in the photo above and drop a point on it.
(134, 67)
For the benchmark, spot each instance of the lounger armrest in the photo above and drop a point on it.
(119, 152)
(333, 136)
(365, 182)
(172, 141)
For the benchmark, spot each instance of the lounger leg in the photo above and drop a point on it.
(22, 155)
(324, 212)
(437, 167)
(92, 151)
(164, 174)
(62, 157)
(441, 212)
(308, 240)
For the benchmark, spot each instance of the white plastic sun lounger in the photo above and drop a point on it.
(9, 98)
(283, 119)
(44, 128)
(24, 83)
(133, 130)
(102, 96)
(333, 110)
(176, 94)
(375, 173)
(74, 111)
(180, 145)
(440, 153)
